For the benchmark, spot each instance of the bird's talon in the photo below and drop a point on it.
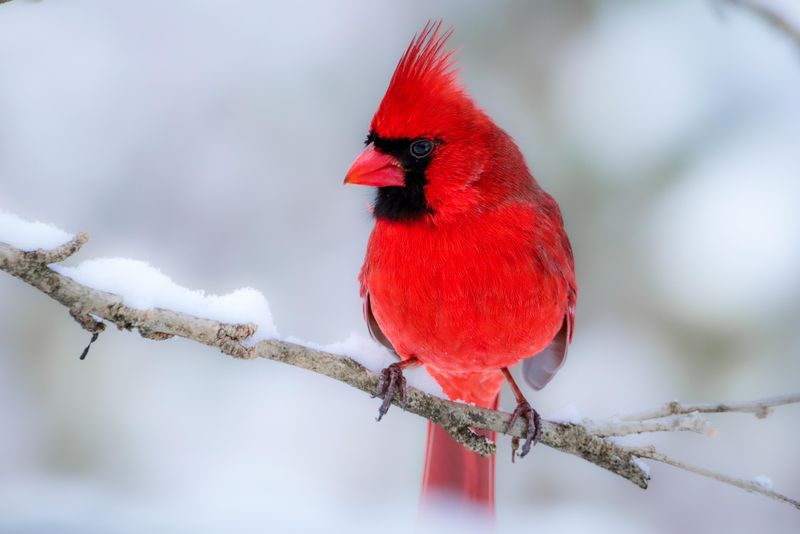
(391, 381)
(534, 427)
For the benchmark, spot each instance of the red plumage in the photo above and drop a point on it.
(478, 278)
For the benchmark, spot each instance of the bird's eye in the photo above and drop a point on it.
(421, 148)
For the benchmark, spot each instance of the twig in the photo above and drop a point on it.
(760, 408)
(59, 253)
(771, 16)
(590, 440)
(748, 485)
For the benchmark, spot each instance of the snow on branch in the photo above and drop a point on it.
(239, 325)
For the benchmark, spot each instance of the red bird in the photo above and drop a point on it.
(468, 270)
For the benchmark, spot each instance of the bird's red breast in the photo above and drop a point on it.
(471, 295)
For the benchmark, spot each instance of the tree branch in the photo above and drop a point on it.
(588, 440)
(771, 16)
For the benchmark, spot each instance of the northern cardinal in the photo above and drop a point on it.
(468, 269)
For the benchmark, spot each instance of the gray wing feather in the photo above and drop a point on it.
(373, 326)
(540, 368)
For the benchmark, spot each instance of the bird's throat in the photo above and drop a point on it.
(404, 203)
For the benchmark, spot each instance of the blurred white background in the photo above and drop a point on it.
(211, 138)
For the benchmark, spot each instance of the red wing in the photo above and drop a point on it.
(540, 368)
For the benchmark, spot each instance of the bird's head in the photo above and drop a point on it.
(428, 144)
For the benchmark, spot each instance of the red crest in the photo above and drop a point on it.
(423, 88)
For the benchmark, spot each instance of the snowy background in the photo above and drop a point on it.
(211, 138)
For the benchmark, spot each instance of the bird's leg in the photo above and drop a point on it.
(523, 409)
(392, 379)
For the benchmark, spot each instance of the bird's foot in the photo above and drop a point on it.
(524, 409)
(391, 382)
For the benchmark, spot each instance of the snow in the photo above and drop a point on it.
(374, 357)
(367, 352)
(763, 482)
(29, 236)
(142, 286)
(644, 466)
(567, 414)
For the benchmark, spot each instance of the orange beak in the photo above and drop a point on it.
(376, 169)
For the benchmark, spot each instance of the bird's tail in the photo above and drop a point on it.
(456, 475)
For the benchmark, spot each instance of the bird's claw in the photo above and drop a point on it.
(391, 381)
(534, 426)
